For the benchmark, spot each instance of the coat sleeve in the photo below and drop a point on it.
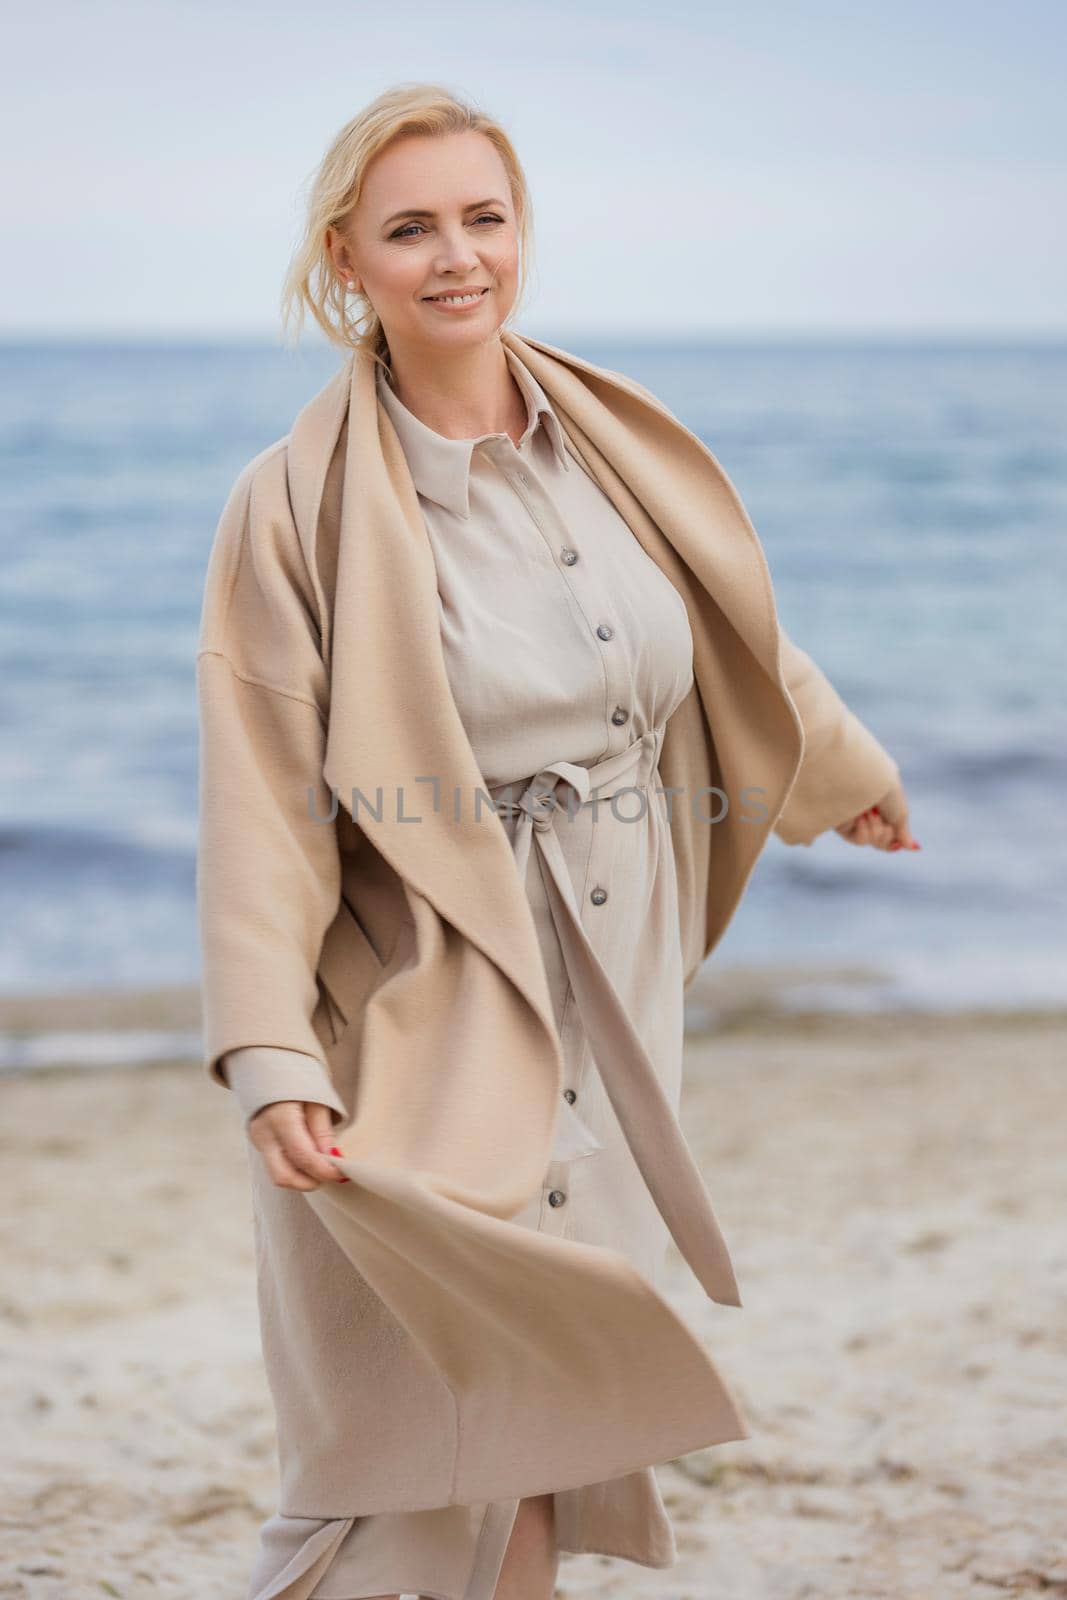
(843, 770)
(268, 874)
(259, 1075)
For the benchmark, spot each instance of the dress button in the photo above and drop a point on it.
(568, 557)
(619, 716)
(598, 896)
(604, 632)
(557, 1197)
(570, 1096)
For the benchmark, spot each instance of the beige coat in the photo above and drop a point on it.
(465, 1359)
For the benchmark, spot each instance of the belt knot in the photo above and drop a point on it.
(539, 806)
(539, 799)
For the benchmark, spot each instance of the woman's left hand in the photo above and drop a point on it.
(884, 825)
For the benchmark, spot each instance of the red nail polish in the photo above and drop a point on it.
(334, 1150)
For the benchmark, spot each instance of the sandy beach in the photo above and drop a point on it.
(894, 1192)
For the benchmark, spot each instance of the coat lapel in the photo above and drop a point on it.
(395, 732)
(740, 730)
(678, 481)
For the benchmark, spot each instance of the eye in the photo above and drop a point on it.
(486, 216)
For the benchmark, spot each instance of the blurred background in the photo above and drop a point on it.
(833, 238)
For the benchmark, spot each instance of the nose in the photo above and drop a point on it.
(456, 253)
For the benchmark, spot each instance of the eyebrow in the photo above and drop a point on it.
(475, 205)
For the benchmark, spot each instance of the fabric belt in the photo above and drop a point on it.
(630, 1079)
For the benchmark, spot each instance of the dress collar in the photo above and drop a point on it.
(440, 467)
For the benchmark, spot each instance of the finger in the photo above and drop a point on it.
(271, 1121)
(299, 1147)
(882, 833)
(282, 1172)
(894, 809)
(319, 1121)
(270, 1130)
(321, 1129)
(862, 834)
(903, 839)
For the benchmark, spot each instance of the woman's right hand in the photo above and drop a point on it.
(291, 1135)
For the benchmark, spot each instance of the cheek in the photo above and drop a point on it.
(399, 277)
(505, 263)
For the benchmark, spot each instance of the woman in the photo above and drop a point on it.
(480, 564)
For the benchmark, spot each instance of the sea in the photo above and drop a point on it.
(911, 499)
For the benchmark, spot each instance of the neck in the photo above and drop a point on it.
(461, 395)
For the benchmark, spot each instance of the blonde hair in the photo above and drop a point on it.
(428, 109)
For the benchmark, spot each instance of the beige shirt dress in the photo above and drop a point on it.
(567, 649)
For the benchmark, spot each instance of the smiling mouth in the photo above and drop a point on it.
(467, 297)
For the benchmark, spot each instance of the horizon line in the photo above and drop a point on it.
(798, 333)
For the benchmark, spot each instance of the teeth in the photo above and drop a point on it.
(465, 298)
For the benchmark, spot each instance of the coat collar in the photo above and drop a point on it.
(441, 467)
(666, 463)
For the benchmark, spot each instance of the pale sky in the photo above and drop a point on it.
(695, 167)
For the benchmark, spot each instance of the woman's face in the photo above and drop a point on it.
(435, 215)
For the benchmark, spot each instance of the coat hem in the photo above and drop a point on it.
(617, 1555)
